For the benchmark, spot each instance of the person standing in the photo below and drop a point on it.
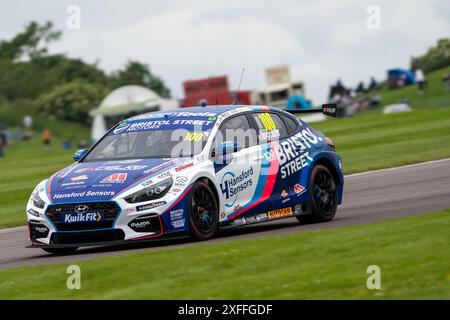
(28, 125)
(46, 138)
(420, 79)
(3, 140)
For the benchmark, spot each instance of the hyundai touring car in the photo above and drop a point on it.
(188, 172)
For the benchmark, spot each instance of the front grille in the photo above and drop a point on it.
(110, 210)
(87, 237)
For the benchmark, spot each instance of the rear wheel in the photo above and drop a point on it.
(323, 204)
(203, 212)
(60, 251)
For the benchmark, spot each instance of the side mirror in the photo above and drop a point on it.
(226, 147)
(79, 154)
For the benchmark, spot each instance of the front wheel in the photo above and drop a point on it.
(60, 251)
(203, 212)
(323, 204)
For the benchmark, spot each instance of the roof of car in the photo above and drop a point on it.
(206, 111)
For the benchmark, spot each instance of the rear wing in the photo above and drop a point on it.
(329, 109)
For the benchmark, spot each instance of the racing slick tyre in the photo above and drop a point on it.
(203, 212)
(323, 204)
(60, 251)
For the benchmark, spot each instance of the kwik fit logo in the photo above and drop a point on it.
(233, 184)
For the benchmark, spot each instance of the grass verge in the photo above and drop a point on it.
(412, 253)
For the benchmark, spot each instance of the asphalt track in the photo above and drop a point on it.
(368, 197)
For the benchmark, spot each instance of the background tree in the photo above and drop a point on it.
(436, 57)
(71, 101)
(138, 73)
(31, 43)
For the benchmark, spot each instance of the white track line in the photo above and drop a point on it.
(346, 176)
(12, 229)
(395, 168)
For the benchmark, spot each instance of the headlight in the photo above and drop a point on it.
(37, 201)
(153, 192)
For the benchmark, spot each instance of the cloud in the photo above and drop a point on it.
(320, 40)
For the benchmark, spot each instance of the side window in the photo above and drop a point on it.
(292, 124)
(270, 126)
(237, 129)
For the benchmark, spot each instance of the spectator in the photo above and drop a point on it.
(446, 78)
(28, 125)
(413, 64)
(3, 140)
(46, 138)
(420, 79)
(373, 84)
(360, 88)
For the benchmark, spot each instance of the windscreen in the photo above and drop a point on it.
(172, 137)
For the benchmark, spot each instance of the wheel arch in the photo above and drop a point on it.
(211, 184)
(329, 164)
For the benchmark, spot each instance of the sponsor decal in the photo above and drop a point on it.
(291, 152)
(164, 175)
(223, 215)
(124, 161)
(284, 193)
(237, 208)
(250, 219)
(180, 181)
(175, 114)
(139, 225)
(184, 166)
(146, 183)
(150, 205)
(79, 178)
(233, 184)
(176, 190)
(299, 189)
(239, 221)
(269, 135)
(280, 213)
(72, 184)
(285, 200)
(83, 194)
(81, 217)
(162, 166)
(129, 210)
(112, 168)
(261, 217)
(121, 127)
(115, 178)
(177, 218)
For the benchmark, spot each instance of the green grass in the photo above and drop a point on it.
(23, 167)
(12, 115)
(369, 141)
(373, 141)
(412, 253)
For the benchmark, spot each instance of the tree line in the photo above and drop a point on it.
(59, 86)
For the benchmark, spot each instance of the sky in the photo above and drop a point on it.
(320, 40)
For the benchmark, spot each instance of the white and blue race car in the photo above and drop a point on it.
(188, 173)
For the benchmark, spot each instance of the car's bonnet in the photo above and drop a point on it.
(92, 181)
